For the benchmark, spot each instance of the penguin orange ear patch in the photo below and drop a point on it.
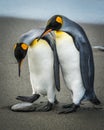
(24, 46)
(59, 19)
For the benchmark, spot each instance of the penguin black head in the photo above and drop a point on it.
(20, 51)
(54, 23)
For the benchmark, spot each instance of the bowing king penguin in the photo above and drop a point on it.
(43, 65)
(75, 58)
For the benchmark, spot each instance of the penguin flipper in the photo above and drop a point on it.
(56, 69)
(86, 66)
(87, 70)
(51, 41)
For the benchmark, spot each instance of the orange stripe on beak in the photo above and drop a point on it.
(44, 33)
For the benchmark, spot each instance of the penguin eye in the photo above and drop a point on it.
(24, 46)
(59, 20)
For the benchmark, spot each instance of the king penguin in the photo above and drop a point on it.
(75, 58)
(43, 65)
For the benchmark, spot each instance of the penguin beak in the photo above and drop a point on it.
(44, 33)
(19, 68)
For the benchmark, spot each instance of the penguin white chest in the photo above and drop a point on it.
(40, 60)
(69, 59)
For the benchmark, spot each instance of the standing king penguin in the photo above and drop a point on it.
(76, 60)
(43, 65)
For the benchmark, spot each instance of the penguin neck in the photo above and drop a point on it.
(74, 29)
(29, 36)
(67, 25)
(71, 27)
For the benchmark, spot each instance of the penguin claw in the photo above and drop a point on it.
(69, 109)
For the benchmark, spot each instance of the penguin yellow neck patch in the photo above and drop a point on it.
(36, 42)
(60, 35)
(24, 46)
(59, 20)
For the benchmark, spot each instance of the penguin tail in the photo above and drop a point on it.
(95, 101)
(91, 96)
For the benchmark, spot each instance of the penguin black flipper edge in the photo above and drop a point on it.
(56, 69)
(52, 44)
(86, 65)
(87, 70)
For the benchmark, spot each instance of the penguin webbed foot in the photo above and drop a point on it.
(69, 108)
(46, 108)
(67, 105)
(56, 101)
(30, 99)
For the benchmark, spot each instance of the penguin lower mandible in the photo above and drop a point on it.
(76, 60)
(43, 65)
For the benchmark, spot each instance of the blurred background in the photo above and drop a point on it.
(78, 10)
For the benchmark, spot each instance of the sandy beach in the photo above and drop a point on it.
(86, 118)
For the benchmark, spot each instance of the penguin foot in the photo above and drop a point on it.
(69, 109)
(56, 101)
(46, 108)
(30, 99)
(67, 105)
